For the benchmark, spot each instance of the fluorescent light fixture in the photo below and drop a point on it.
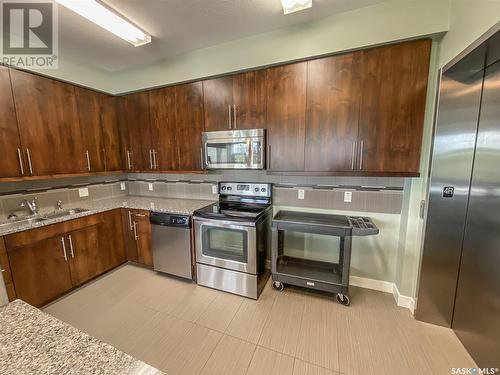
(106, 18)
(290, 6)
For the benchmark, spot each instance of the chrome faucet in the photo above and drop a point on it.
(59, 204)
(31, 205)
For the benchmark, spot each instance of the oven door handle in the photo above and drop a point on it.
(216, 223)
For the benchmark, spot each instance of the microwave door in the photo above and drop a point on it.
(226, 154)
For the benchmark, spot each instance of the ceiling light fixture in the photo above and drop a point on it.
(108, 19)
(291, 6)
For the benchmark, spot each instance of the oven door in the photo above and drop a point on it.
(225, 244)
(234, 153)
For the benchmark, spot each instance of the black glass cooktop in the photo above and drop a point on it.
(233, 211)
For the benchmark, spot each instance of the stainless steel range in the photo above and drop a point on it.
(232, 238)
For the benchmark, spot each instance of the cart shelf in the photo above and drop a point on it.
(312, 270)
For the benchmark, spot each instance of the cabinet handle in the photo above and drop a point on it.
(64, 249)
(155, 163)
(234, 116)
(88, 160)
(29, 161)
(71, 246)
(136, 237)
(130, 220)
(353, 153)
(361, 156)
(128, 160)
(151, 159)
(229, 115)
(20, 160)
(140, 215)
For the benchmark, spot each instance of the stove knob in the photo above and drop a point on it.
(223, 188)
(256, 190)
(229, 188)
(263, 190)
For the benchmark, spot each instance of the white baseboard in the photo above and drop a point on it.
(384, 286)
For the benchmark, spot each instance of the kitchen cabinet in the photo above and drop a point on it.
(137, 233)
(48, 124)
(393, 107)
(136, 135)
(48, 261)
(333, 102)
(83, 251)
(113, 159)
(235, 102)
(40, 270)
(12, 160)
(6, 273)
(189, 124)
(89, 114)
(286, 116)
(164, 128)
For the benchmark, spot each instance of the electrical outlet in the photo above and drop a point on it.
(214, 189)
(83, 192)
(348, 196)
(300, 194)
(150, 186)
(122, 185)
(152, 205)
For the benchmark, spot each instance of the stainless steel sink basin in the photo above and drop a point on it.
(21, 221)
(63, 213)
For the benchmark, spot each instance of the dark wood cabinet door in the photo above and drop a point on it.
(218, 103)
(88, 103)
(39, 271)
(84, 254)
(393, 107)
(189, 124)
(11, 162)
(129, 235)
(134, 118)
(111, 240)
(286, 116)
(48, 124)
(163, 128)
(143, 237)
(249, 96)
(333, 99)
(113, 157)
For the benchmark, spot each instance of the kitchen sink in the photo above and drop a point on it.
(63, 213)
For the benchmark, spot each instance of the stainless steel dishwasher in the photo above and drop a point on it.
(171, 242)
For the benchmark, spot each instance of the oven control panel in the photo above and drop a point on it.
(245, 189)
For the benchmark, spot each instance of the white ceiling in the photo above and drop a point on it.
(180, 26)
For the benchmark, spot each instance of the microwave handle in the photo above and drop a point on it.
(201, 158)
(250, 153)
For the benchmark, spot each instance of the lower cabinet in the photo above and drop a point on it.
(47, 262)
(137, 233)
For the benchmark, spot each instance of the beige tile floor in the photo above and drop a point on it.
(182, 328)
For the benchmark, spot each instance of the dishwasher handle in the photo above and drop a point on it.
(170, 220)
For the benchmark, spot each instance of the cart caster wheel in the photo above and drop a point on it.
(278, 285)
(343, 299)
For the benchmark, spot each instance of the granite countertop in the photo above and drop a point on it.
(32, 342)
(170, 205)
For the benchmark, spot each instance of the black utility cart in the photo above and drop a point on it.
(315, 274)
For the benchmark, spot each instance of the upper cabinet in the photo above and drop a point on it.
(89, 112)
(49, 126)
(286, 117)
(136, 135)
(235, 102)
(189, 125)
(163, 128)
(333, 100)
(393, 107)
(113, 158)
(12, 161)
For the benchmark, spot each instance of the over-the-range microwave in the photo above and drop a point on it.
(234, 149)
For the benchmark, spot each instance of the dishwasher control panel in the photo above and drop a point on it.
(169, 220)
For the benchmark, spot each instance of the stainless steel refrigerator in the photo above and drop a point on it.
(460, 272)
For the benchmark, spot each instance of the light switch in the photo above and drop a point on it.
(300, 194)
(150, 186)
(214, 189)
(83, 192)
(122, 185)
(348, 196)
